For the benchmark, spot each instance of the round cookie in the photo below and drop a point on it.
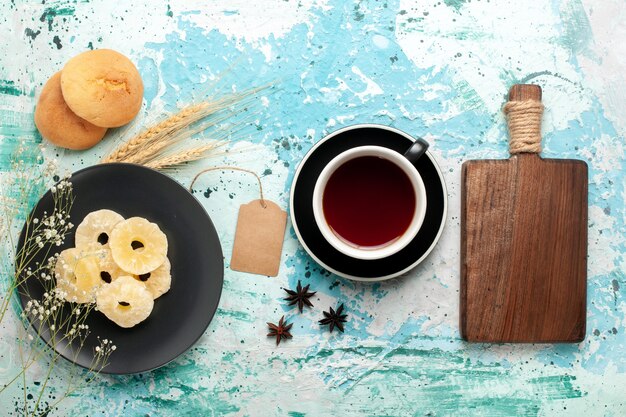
(103, 87)
(58, 124)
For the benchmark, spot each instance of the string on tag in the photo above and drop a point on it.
(230, 168)
(259, 234)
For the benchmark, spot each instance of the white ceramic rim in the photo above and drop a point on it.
(418, 214)
(341, 274)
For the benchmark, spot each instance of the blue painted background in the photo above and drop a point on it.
(439, 70)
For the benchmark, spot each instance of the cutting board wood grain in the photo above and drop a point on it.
(524, 246)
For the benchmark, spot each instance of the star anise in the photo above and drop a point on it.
(300, 296)
(280, 331)
(334, 318)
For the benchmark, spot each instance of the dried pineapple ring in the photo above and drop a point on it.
(87, 272)
(95, 229)
(98, 266)
(158, 282)
(76, 275)
(64, 267)
(138, 246)
(109, 270)
(125, 301)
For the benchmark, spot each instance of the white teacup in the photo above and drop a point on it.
(405, 163)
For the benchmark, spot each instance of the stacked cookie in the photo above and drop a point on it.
(95, 90)
(120, 264)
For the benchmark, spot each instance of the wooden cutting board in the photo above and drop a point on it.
(524, 245)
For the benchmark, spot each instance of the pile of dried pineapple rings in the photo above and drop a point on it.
(120, 264)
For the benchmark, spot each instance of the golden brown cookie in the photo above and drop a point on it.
(103, 87)
(57, 123)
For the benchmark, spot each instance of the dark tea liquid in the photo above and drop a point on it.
(369, 201)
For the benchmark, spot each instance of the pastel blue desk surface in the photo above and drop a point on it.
(435, 69)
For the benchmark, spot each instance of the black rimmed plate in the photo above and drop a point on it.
(311, 238)
(181, 315)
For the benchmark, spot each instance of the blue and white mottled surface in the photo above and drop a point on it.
(437, 69)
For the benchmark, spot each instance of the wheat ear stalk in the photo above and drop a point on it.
(150, 147)
(187, 155)
(137, 144)
(152, 141)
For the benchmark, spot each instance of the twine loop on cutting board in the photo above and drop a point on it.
(524, 120)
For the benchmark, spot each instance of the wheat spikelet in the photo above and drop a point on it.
(187, 155)
(150, 147)
(135, 146)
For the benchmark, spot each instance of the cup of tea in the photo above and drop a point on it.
(369, 202)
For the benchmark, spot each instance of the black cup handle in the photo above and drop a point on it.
(415, 152)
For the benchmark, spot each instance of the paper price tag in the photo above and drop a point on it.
(259, 238)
